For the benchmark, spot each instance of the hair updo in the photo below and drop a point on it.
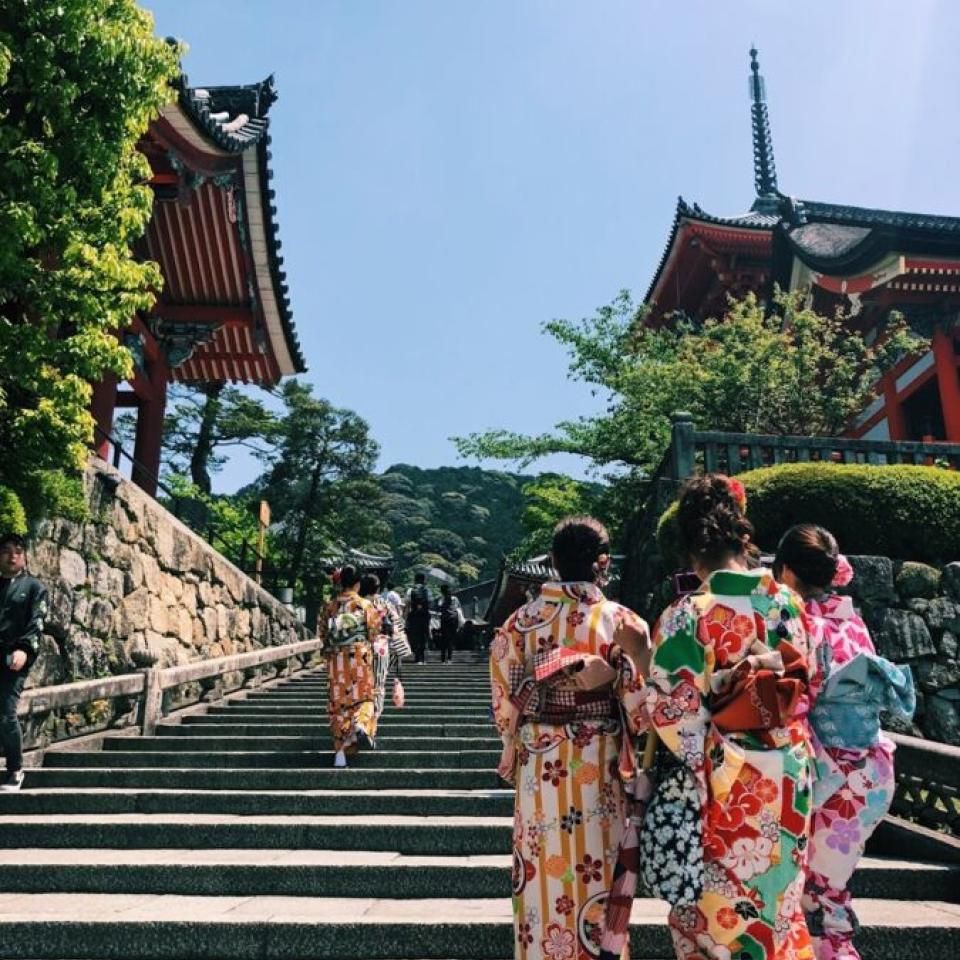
(349, 576)
(369, 585)
(710, 520)
(578, 543)
(811, 552)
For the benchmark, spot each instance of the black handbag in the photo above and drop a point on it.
(671, 839)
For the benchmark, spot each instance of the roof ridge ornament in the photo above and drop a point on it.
(764, 165)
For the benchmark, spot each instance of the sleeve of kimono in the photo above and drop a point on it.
(372, 616)
(680, 678)
(507, 676)
(633, 637)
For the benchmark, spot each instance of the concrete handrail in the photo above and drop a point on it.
(148, 684)
(928, 782)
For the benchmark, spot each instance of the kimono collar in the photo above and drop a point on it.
(571, 591)
(738, 583)
(351, 593)
(835, 606)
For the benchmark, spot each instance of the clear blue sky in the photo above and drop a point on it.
(451, 174)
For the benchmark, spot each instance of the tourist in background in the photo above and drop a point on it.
(349, 625)
(418, 617)
(23, 606)
(753, 783)
(565, 668)
(854, 783)
(451, 620)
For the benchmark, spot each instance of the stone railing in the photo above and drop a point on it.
(928, 784)
(712, 451)
(147, 686)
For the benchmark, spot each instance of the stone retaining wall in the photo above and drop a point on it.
(913, 612)
(133, 582)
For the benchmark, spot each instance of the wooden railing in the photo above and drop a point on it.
(711, 451)
(928, 783)
(148, 685)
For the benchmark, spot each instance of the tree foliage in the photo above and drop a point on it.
(79, 84)
(789, 370)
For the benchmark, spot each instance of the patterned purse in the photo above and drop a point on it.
(671, 839)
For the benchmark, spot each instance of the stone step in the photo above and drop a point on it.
(271, 760)
(420, 836)
(431, 699)
(214, 728)
(322, 778)
(350, 873)
(270, 740)
(421, 803)
(317, 718)
(142, 927)
(449, 707)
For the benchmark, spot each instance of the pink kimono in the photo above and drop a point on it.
(854, 785)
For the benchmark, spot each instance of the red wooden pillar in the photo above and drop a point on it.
(102, 406)
(948, 381)
(896, 421)
(146, 451)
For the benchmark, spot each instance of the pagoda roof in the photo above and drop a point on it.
(215, 235)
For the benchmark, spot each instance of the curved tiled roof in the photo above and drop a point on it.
(752, 220)
(234, 118)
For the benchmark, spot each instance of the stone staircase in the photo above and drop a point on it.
(228, 835)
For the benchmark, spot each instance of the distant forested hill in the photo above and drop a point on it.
(460, 519)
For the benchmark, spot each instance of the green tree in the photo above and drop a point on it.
(788, 370)
(547, 500)
(79, 83)
(319, 484)
(204, 424)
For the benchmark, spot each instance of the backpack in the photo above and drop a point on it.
(419, 601)
(346, 627)
(450, 612)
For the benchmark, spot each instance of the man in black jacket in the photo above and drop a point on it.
(23, 606)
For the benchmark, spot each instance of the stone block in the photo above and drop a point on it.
(47, 669)
(241, 626)
(72, 568)
(943, 614)
(152, 576)
(917, 580)
(209, 617)
(172, 586)
(942, 719)
(936, 675)
(949, 645)
(60, 601)
(182, 622)
(134, 612)
(950, 581)
(45, 559)
(105, 581)
(100, 617)
(188, 598)
(872, 578)
(159, 620)
(904, 636)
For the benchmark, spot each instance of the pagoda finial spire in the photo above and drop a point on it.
(764, 166)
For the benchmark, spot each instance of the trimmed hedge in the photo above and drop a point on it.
(903, 512)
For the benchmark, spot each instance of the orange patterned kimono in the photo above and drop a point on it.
(350, 672)
(564, 750)
(755, 787)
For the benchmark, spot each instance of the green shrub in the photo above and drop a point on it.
(13, 518)
(918, 580)
(904, 512)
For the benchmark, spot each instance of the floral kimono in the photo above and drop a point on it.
(566, 751)
(381, 652)
(854, 764)
(350, 670)
(754, 786)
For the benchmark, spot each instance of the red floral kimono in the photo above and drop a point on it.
(754, 787)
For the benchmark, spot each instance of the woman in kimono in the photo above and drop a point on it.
(854, 782)
(391, 625)
(753, 783)
(348, 627)
(566, 696)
